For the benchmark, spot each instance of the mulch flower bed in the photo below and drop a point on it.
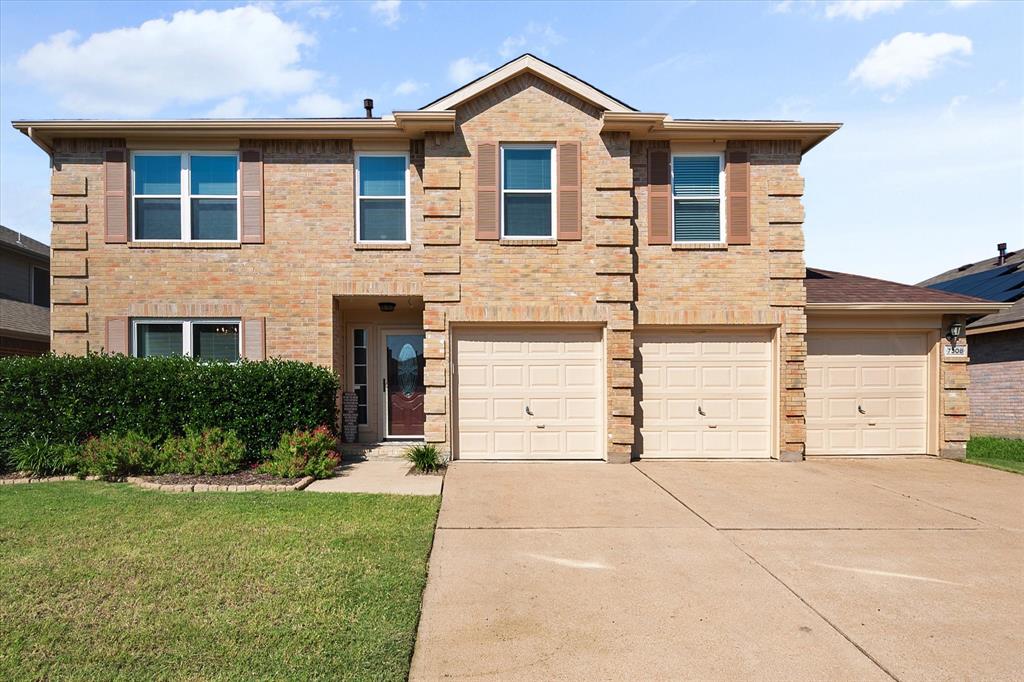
(238, 478)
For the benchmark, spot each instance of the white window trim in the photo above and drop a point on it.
(405, 197)
(366, 364)
(186, 196)
(720, 196)
(186, 330)
(32, 286)
(552, 191)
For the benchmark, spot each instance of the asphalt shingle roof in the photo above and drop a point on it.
(826, 286)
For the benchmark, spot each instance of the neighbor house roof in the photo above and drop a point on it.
(438, 116)
(827, 289)
(16, 241)
(992, 281)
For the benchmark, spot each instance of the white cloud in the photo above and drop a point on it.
(232, 107)
(465, 69)
(908, 57)
(781, 7)
(320, 105)
(389, 12)
(409, 87)
(859, 10)
(960, 4)
(538, 38)
(193, 57)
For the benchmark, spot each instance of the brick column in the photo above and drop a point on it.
(954, 422)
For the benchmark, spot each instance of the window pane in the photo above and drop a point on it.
(528, 215)
(382, 176)
(697, 221)
(527, 168)
(157, 174)
(41, 287)
(361, 415)
(359, 337)
(214, 219)
(158, 218)
(359, 375)
(216, 341)
(382, 219)
(158, 339)
(359, 356)
(695, 175)
(214, 174)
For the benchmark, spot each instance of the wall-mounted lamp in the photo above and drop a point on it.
(386, 306)
(955, 330)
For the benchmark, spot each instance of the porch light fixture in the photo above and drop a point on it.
(955, 330)
(386, 306)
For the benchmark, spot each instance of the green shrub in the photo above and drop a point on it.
(207, 452)
(425, 457)
(67, 398)
(115, 456)
(303, 453)
(40, 457)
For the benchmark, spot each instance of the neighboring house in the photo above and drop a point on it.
(525, 268)
(24, 295)
(997, 341)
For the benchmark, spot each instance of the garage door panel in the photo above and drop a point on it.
(728, 375)
(886, 374)
(557, 374)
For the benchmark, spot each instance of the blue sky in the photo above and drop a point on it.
(927, 173)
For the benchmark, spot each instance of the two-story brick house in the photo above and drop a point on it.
(524, 268)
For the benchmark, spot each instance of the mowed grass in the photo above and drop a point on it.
(102, 581)
(1001, 453)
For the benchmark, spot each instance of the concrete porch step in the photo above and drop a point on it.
(389, 450)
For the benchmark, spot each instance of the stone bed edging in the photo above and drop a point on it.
(174, 487)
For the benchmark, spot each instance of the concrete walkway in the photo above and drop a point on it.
(906, 569)
(386, 476)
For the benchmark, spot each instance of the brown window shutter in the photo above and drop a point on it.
(488, 196)
(254, 338)
(570, 191)
(737, 197)
(659, 197)
(116, 341)
(251, 173)
(115, 196)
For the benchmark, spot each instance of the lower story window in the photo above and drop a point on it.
(210, 340)
(359, 380)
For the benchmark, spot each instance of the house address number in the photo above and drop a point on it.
(954, 351)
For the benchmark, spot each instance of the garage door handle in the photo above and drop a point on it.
(861, 410)
(700, 411)
(528, 411)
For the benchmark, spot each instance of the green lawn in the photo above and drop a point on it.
(102, 581)
(1001, 453)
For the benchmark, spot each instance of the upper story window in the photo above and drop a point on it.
(213, 340)
(41, 286)
(382, 197)
(698, 184)
(527, 191)
(185, 196)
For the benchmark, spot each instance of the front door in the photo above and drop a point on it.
(403, 385)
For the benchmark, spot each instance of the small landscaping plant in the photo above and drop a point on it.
(425, 458)
(209, 452)
(115, 456)
(39, 457)
(303, 453)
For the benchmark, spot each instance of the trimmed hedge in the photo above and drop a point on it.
(67, 399)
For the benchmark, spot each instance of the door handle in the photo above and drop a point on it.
(861, 410)
(528, 411)
(384, 385)
(700, 411)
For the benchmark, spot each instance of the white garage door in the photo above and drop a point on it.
(530, 394)
(705, 394)
(867, 394)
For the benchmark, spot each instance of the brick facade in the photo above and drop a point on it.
(310, 279)
(996, 389)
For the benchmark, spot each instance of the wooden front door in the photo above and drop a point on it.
(403, 389)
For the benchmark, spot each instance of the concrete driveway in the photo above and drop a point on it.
(908, 569)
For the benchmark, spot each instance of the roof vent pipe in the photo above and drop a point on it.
(1002, 253)
(368, 105)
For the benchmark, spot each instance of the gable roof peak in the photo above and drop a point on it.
(528, 63)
